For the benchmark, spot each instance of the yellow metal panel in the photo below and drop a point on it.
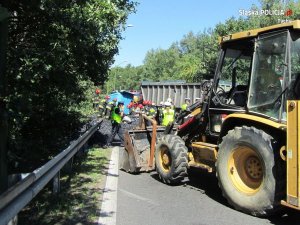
(298, 148)
(196, 111)
(257, 119)
(252, 33)
(203, 144)
(204, 155)
(293, 156)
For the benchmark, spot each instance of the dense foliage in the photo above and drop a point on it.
(194, 57)
(57, 51)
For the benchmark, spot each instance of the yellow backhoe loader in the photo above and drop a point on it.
(249, 135)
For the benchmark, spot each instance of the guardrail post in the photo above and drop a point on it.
(56, 184)
(69, 166)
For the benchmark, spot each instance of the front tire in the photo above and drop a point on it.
(250, 172)
(171, 159)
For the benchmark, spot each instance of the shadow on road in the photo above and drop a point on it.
(155, 176)
(201, 181)
(286, 217)
(207, 183)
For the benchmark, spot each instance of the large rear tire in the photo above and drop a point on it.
(249, 171)
(171, 159)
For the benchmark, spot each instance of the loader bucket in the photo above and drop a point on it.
(138, 154)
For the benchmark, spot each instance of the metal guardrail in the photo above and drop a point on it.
(18, 196)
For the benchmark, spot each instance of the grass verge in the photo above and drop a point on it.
(79, 201)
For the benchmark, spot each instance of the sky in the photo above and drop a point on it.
(159, 23)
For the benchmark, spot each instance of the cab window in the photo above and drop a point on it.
(233, 77)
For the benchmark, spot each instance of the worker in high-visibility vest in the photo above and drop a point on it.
(168, 114)
(160, 110)
(116, 120)
(146, 108)
(152, 111)
(96, 99)
(180, 117)
(187, 102)
(109, 108)
(102, 106)
(171, 101)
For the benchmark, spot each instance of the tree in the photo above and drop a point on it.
(161, 64)
(57, 51)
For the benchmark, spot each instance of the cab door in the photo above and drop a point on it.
(231, 84)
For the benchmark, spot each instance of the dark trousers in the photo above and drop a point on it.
(101, 112)
(95, 105)
(107, 113)
(116, 129)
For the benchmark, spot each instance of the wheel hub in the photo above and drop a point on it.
(253, 167)
(245, 169)
(165, 159)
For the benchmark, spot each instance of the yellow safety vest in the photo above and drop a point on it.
(184, 106)
(152, 112)
(96, 99)
(116, 117)
(109, 105)
(102, 103)
(168, 117)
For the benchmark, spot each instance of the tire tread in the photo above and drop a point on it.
(271, 209)
(180, 159)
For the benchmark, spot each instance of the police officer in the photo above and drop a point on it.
(116, 119)
(168, 114)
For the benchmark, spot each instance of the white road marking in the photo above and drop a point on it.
(108, 213)
(138, 197)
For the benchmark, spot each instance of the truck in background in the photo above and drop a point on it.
(176, 90)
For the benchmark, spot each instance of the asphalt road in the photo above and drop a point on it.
(144, 200)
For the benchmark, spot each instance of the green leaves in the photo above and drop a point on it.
(58, 50)
(187, 60)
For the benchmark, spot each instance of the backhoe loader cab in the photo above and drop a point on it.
(249, 134)
(259, 71)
